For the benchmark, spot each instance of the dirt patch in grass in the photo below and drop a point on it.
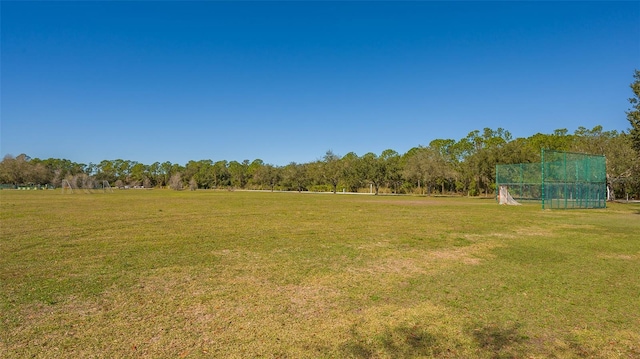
(625, 257)
(412, 262)
(473, 254)
(403, 266)
(310, 301)
(477, 237)
(533, 231)
(426, 202)
(457, 255)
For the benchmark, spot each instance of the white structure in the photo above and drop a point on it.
(504, 197)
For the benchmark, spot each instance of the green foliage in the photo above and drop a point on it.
(295, 177)
(445, 166)
(373, 169)
(331, 169)
(633, 115)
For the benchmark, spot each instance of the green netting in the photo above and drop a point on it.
(524, 180)
(562, 180)
(573, 180)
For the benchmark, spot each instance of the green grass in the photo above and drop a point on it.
(243, 274)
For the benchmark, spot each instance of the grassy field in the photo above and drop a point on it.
(243, 274)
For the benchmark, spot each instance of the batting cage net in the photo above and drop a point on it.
(562, 180)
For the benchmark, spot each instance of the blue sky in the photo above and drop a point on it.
(287, 81)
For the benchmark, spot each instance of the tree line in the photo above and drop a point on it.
(445, 166)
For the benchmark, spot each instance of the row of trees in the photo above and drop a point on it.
(445, 166)
(466, 166)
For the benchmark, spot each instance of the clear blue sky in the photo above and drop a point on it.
(287, 81)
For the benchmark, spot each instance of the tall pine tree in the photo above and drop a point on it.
(633, 115)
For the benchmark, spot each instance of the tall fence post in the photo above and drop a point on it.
(542, 187)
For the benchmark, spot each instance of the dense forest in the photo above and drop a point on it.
(445, 166)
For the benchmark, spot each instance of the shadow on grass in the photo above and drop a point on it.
(399, 342)
(416, 341)
(502, 342)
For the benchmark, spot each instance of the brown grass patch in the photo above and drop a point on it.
(415, 262)
(625, 257)
(533, 231)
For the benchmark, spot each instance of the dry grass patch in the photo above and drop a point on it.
(625, 257)
(534, 231)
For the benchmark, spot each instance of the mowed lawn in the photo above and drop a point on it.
(165, 274)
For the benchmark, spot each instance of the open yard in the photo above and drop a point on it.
(249, 274)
